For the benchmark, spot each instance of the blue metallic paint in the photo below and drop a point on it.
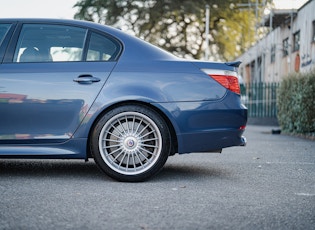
(52, 104)
(204, 115)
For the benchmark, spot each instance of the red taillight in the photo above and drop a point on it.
(229, 82)
(226, 78)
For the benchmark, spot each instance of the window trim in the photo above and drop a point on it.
(273, 53)
(296, 44)
(108, 36)
(285, 47)
(48, 26)
(118, 44)
(6, 31)
(16, 29)
(4, 46)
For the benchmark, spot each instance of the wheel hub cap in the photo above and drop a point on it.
(130, 143)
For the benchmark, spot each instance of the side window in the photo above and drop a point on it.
(3, 31)
(285, 47)
(102, 48)
(273, 53)
(49, 43)
(296, 41)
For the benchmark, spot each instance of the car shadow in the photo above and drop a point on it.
(79, 169)
(50, 168)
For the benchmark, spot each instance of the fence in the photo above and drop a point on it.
(260, 99)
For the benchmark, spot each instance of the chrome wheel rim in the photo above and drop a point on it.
(130, 143)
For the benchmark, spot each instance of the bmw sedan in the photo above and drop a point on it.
(78, 90)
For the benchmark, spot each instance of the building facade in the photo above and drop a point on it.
(289, 46)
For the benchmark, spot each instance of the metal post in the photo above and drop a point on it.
(291, 41)
(207, 32)
(256, 76)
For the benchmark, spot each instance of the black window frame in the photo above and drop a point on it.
(273, 53)
(5, 42)
(296, 41)
(6, 31)
(114, 57)
(16, 28)
(48, 27)
(285, 47)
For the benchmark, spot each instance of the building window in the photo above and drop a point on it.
(313, 35)
(285, 46)
(273, 54)
(296, 41)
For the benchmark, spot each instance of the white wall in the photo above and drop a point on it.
(283, 65)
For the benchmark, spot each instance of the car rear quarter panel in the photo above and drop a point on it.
(198, 107)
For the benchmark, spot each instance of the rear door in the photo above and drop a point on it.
(49, 78)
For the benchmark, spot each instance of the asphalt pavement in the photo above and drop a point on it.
(269, 184)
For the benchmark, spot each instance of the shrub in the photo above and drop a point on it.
(296, 103)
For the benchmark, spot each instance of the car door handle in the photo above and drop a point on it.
(86, 79)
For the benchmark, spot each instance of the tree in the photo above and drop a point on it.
(179, 25)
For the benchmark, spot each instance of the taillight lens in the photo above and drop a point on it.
(229, 82)
(228, 79)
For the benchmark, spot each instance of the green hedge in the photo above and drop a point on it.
(296, 103)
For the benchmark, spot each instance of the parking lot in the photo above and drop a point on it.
(269, 184)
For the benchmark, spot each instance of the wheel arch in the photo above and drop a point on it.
(174, 141)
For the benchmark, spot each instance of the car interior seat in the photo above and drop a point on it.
(30, 54)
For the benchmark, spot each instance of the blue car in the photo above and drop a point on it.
(78, 90)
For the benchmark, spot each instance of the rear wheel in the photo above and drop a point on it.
(131, 143)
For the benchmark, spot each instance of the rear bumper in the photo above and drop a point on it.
(211, 141)
(207, 126)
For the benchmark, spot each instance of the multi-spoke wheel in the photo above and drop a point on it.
(131, 143)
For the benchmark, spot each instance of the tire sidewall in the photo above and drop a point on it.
(165, 150)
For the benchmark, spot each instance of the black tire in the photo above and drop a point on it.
(131, 143)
